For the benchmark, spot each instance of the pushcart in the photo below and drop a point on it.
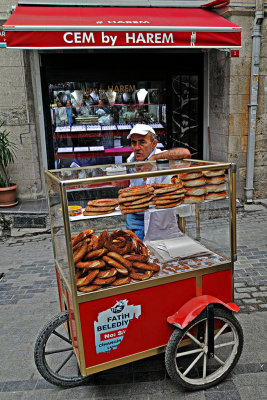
(185, 310)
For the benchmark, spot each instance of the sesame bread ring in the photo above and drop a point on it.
(167, 188)
(120, 259)
(88, 232)
(175, 179)
(147, 266)
(136, 257)
(80, 253)
(169, 196)
(196, 191)
(121, 281)
(99, 242)
(103, 203)
(215, 180)
(162, 202)
(95, 254)
(97, 209)
(108, 273)
(177, 203)
(105, 281)
(193, 199)
(111, 246)
(131, 198)
(131, 233)
(216, 188)
(215, 196)
(80, 244)
(141, 276)
(89, 288)
(133, 210)
(145, 199)
(217, 172)
(95, 264)
(94, 241)
(136, 190)
(78, 238)
(87, 279)
(190, 175)
(195, 182)
(119, 267)
(91, 213)
(130, 207)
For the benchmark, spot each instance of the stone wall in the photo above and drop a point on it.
(219, 63)
(239, 99)
(17, 113)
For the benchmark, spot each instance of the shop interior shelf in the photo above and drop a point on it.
(91, 154)
(79, 135)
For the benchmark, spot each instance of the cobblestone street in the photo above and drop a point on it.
(28, 299)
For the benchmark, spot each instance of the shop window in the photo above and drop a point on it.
(91, 120)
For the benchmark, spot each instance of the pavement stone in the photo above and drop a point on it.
(28, 298)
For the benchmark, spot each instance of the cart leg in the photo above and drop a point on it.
(181, 224)
(197, 220)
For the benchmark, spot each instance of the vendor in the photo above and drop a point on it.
(152, 226)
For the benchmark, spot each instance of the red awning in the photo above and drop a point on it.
(115, 27)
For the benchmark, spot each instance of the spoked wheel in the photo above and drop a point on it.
(187, 356)
(54, 356)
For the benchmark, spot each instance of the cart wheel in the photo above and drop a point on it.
(54, 356)
(186, 356)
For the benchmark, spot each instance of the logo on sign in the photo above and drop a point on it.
(112, 324)
(118, 307)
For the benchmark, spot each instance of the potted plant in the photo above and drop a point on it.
(7, 156)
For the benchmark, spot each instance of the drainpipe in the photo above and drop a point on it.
(253, 104)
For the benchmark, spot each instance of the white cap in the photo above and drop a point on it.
(141, 129)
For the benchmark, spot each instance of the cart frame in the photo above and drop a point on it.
(71, 300)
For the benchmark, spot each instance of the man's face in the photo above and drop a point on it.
(142, 146)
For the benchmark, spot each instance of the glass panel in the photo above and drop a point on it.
(197, 200)
(185, 114)
(91, 120)
(57, 227)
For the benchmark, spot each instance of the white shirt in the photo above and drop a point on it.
(161, 224)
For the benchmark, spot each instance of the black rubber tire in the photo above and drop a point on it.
(42, 364)
(175, 371)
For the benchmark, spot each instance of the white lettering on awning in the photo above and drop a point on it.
(149, 37)
(79, 37)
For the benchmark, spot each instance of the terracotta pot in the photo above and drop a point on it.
(8, 196)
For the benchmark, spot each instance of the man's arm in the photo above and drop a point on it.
(172, 154)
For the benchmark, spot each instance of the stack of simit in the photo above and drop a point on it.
(135, 198)
(215, 184)
(100, 207)
(168, 195)
(194, 184)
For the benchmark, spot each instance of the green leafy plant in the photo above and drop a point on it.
(7, 155)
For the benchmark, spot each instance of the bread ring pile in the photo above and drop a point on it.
(194, 184)
(215, 184)
(135, 198)
(100, 207)
(110, 259)
(168, 195)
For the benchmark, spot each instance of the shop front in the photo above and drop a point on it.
(100, 70)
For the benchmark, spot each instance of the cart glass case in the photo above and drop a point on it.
(113, 324)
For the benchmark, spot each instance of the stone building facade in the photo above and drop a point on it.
(228, 107)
